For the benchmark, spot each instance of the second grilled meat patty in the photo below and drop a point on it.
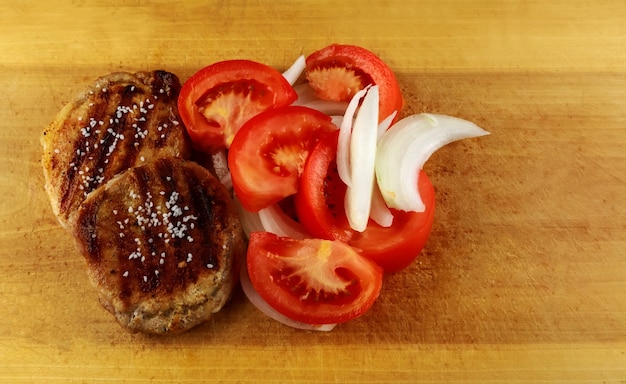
(162, 243)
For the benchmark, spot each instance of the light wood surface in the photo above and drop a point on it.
(524, 277)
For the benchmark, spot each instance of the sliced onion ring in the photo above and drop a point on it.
(380, 212)
(250, 221)
(271, 219)
(292, 74)
(385, 124)
(358, 201)
(406, 146)
(276, 221)
(263, 306)
(345, 133)
(307, 98)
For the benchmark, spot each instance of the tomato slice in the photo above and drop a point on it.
(218, 99)
(268, 154)
(320, 209)
(395, 248)
(319, 202)
(313, 281)
(337, 72)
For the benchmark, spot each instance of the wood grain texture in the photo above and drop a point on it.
(524, 276)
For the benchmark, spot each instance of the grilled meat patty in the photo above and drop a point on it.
(120, 121)
(163, 244)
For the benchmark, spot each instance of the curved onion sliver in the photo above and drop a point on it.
(358, 199)
(345, 134)
(292, 74)
(307, 98)
(385, 124)
(405, 147)
(274, 220)
(379, 211)
(250, 221)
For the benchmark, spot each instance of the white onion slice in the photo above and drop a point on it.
(406, 146)
(263, 306)
(336, 119)
(307, 98)
(345, 133)
(276, 221)
(292, 74)
(385, 124)
(380, 212)
(250, 221)
(327, 107)
(362, 161)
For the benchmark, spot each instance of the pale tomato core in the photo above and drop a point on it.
(230, 105)
(346, 83)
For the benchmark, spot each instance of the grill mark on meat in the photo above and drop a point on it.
(67, 187)
(207, 218)
(89, 157)
(167, 185)
(165, 84)
(180, 271)
(146, 234)
(119, 126)
(142, 262)
(89, 234)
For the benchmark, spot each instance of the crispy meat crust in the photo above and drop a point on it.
(163, 244)
(121, 121)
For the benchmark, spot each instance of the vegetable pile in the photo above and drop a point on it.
(328, 179)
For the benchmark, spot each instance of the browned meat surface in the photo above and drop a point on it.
(162, 244)
(120, 121)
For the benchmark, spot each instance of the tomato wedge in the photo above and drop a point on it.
(268, 153)
(319, 202)
(313, 281)
(338, 71)
(395, 248)
(218, 99)
(320, 210)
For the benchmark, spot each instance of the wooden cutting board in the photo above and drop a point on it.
(524, 276)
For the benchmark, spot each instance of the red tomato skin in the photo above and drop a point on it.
(396, 247)
(267, 269)
(366, 62)
(258, 181)
(211, 137)
(311, 201)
